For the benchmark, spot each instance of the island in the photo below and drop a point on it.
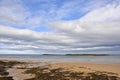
(87, 54)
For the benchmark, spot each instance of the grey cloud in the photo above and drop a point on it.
(49, 43)
(21, 39)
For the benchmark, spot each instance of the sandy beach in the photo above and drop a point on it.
(115, 68)
(24, 71)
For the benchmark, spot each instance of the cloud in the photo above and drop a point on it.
(34, 14)
(16, 39)
(107, 13)
(97, 31)
(99, 27)
(12, 11)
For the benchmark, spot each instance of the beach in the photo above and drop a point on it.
(59, 39)
(28, 70)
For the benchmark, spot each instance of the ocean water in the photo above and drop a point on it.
(62, 58)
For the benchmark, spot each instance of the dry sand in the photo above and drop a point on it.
(89, 67)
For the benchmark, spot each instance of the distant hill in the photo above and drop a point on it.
(52, 54)
(87, 54)
(77, 54)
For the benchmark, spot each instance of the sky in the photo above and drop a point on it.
(59, 26)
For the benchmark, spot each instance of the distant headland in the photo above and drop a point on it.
(77, 54)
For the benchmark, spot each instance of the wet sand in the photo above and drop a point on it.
(18, 74)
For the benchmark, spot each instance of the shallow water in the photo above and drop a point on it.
(47, 58)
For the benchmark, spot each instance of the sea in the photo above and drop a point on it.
(114, 59)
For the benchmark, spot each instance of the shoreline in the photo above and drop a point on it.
(56, 61)
(17, 71)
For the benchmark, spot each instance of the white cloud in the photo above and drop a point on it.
(18, 13)
(99, 27)
(12, 11)
(16, 39)
(107, 13)
(98, 30)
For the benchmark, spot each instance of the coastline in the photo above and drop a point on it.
(61, 59)
(86, 67)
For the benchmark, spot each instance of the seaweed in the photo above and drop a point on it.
(61, 74)
(6, 78)
(4, 65)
